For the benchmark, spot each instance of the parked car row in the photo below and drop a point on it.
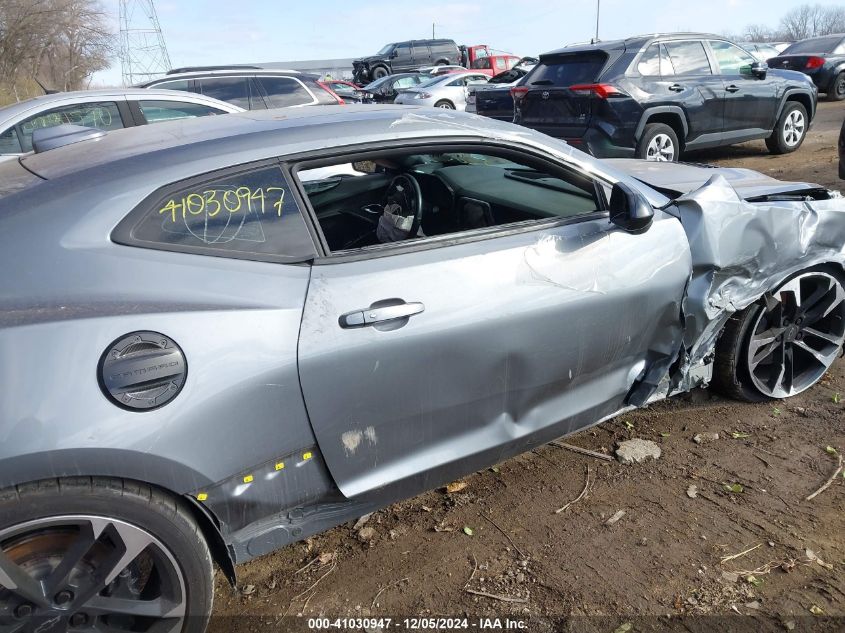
(653, 97)
(412, 55)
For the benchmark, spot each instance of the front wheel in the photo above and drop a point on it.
(790, 131)
(101, 555)
(658, 143)
(785, 343)
(379, 72)
(446, 105)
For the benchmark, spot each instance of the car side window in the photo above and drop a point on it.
(159, 111)
(649, 65)
(376, 200)
(102, 116)
(501, 63)
(179, 84)
(688, 58)
(732, 59)
(10, 143)
(666, 67)
(481, 63)
(405, 82)
(234, 90)
(284, 92)
(247, 215)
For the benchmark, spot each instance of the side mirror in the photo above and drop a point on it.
(759, 69)
(394, 53)
(629, 209)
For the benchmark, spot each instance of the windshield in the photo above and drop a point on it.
(435, 80)
(820, 45)
(567, 70)
(386, 49)
(374, 85)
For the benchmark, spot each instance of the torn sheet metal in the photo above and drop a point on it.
(741, 250)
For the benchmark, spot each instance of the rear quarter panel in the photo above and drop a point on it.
(69, 292)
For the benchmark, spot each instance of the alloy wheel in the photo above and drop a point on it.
(793, 128)
(661, 149)
(88, 573)
(840, 85)
(797, 335)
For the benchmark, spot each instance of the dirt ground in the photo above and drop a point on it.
(663, 562)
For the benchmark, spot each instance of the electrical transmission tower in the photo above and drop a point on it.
(143, 53)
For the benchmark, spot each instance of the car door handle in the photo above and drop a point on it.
(380, 314)
(732, 88)
(676, 88)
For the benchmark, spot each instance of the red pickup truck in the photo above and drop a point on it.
(485, 60)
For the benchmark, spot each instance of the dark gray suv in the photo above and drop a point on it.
(656, 96)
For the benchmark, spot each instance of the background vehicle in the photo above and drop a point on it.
(841, 150)
(496, 100)
(658, 95)
(820, 58)
(447, 91)
(110, 109)
(404, 56)
(762, 51)
(440, 70)
(416, 54)
(492, 65)
(384, 90)
(346, 90)
(267, 303)
(250, 87)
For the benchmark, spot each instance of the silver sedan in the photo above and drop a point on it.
(445, 91)
(108, 109)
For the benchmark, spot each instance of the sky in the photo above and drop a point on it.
(206, 32)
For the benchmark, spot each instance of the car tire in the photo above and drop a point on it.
(836, 91)
(790, 130)
(94, 526)
(659, 142)
(445, 104)
(748, 358)
(379, 72)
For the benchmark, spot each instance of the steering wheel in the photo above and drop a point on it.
(413, 196)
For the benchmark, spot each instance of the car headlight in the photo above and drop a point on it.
(422, 95)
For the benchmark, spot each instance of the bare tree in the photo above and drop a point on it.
(759, 33)
(59, 43)
(812, 20)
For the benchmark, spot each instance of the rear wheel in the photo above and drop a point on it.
(658, 143)
(790, 131)
(379, 72)
(785, 343)
(446, 105)
(836, 91)
(100, 555)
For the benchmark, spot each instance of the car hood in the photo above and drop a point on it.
(369, 59)
(676, 179)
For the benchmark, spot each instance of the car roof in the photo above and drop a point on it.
(636, 41)
(41, 102)
(144, 159)
(217, 142)
(245, 71)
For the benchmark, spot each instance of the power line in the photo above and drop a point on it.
(143, 52)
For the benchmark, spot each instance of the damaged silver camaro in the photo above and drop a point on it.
(220, 336)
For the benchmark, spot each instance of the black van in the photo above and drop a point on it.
(403, 56)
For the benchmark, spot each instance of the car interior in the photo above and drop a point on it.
(390, 198)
